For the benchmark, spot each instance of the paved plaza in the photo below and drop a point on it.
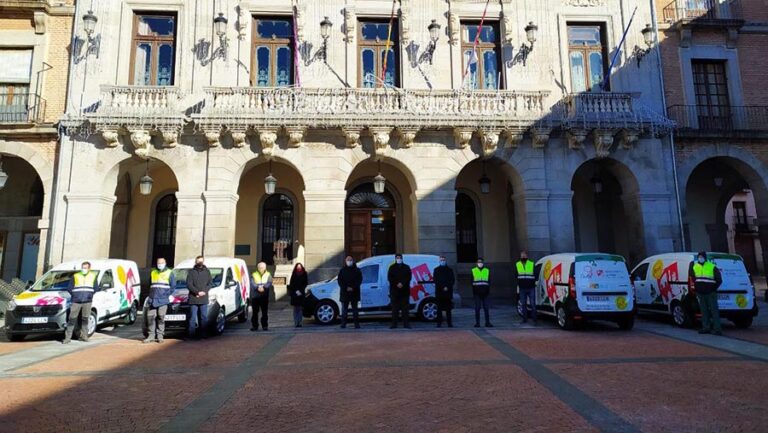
(510, 378)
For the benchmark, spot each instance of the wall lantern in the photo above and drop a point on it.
(434, 35)
(145, 183)
(3, 175)
(91, 43)
(89, 23)
(379, 182)
(648, 38)
(220, 26)
(270, 182)
(718, 181)
(597, 184)
(485, 182)
(530, 33)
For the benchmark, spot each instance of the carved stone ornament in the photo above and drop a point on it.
(506, 19)
(463, 137)
(603, 139)
(576, 137)
(238, 139)
(268, 138)
(40, 20)
(585, 3)
(349, 23)
(353, 137)
(140, 140)
(540, 136)
(110, 137)
(405, 22)
(628, 138)
(243, 17)
(512, 138)
(490, 142)
(295, 136)
(453, 28)
(300, 20)
(171, 138)
(213, 138)
(381, 139)
(408, 136)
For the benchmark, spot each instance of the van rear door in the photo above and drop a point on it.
(602, 283)
(736, 291)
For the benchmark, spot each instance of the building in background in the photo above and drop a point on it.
(715, 71)
(34, 65)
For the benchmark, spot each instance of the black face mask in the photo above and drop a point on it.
(198, 265)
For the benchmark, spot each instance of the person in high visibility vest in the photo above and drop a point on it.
(81, 288)
(481, 288)
(706, 282)
(163, 283)
(526, 284)
(261, 285)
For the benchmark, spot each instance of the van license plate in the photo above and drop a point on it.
(597, 299)
(175, 317)
(34, 320)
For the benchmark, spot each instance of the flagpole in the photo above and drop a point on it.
(389, 40)
(604, 85)
(296, 47)
(474, 45)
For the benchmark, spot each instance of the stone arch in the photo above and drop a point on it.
(34, 158)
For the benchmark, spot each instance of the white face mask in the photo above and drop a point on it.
(479, 264)
(350, 262)
(442, 262)
(702, 260)
(161, 266)
(84, 271)
(399, 261)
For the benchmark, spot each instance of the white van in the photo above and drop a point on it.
(227, 296)
(322, 300)
(575, 287)
(44, 306)
(663, 285)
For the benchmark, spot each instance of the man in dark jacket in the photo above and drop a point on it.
(399, 278)
(198, 282)
(261, 287)
(163, 283)
(350, 278)
(81, 288)
(444, 280)
(706, 280)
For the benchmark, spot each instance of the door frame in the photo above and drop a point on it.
(399, 209)
(260, 223)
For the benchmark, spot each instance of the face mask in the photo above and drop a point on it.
(84, 271)
(399, 261)
(161, 266)
(350, 262)
(701, 260)
(199, 264)
(524, 258)
(479, 264)
(442, 262)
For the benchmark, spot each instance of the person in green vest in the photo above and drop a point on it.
(261, 286)
(481, 288)
(706, 281)
(81, 288)
(526, 284)
(162, 285)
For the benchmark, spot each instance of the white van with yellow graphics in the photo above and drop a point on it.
(575, 287)
(44, 307)
(663, 285)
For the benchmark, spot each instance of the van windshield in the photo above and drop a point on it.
(54, 281)
(596, 274)
(181, 277)
(733, 271)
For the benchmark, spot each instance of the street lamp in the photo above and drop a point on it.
(3, 175)
(485, 182)
(145, 183)
(82, 48)
(270, 182)
(639, 53)
(718, 181)
(530, 32)
(220, 24)
(597, 184)
(325, 28)
(434, 35)
(379, 182)
(89, 23)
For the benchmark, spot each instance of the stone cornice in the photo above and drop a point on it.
(37, 5)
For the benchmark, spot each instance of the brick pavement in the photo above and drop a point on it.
(322, 379)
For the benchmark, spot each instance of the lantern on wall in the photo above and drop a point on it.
(485, 182)
(146, 182)
(270, 182)
(89, 23)
(379, 182)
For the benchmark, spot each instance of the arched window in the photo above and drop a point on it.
(165, 229)
(466, 229)
(277, 230)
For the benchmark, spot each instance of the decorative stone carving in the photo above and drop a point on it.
(41, 22)
(454, 27)
(170, 138)
(140, 140)
(603, 139)
(405, 22)
(490, 141)
(408, 136)
(349, 23)
(380, 140)
(353, 137)
(512, 138)
(576, 137)
(110, 137)
(506, 19)
(213, 138)
(585, 3)
(243, 17)
(540, 136)
(238, 139)
(628, 138)
(295, 136)
(268, 138)
(463, 137)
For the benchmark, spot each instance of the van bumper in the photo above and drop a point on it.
(55, 323)
(310, 303)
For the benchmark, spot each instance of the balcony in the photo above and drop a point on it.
(745, 224)
(130, 105)
(21, 109)
(704, 12)
(720, 121)
(611, 110)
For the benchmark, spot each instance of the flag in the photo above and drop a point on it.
(615, 57)
(473, 57)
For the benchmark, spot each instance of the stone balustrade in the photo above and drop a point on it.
(139, 100)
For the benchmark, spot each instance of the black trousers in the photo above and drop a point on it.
(399, 305)
(481, 300)
(263, 304)
(345, 306)
(444, 305)
(84, 311)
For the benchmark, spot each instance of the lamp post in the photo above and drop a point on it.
(270, 182)
(379, 182)
(3, 175)
(145, 183)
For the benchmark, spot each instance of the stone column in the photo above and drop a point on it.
(189, 226)
(324, 232)
(534, 222)
(437, 223)
(763, 236)
(659, 230)
(559, 206)
(718, 237)
(220, 214)
(87, 225)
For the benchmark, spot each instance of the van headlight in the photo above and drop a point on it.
(12, 305)
(211, 298)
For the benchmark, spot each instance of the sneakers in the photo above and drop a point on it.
(159, 341)
(148, 340)
(66, 341)
(343, 326)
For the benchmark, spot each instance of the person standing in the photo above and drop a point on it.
(163, 283)
(350, 278)
(261, 286)
(199, 280)
(444, 279)
(297, 291)
(706, 281)
(399, 278)
(81, 288)
(481, 288)
(526, 284)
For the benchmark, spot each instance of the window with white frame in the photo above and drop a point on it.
(14, 82)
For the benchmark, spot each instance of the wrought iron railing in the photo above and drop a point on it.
(724, 118)
(702, 10)
(745, 223)
(21, 108)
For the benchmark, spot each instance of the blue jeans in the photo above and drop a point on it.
(481, 301)
(194, 324)
(526, 296)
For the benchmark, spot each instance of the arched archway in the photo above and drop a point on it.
(277, 229)
(606, 210)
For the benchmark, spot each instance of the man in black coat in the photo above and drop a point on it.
(444, 279)
(350, 278)
(198, 282)
(399, 278)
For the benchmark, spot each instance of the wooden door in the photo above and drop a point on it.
(359, 234)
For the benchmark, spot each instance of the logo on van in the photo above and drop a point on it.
(665, 279)
(621, 303)
(555, 276)
(741, 301)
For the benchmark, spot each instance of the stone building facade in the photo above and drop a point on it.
(522, 145)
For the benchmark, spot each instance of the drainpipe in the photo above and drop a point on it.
(671, 134)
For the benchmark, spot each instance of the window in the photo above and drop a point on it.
(740, 213)
(483, 72)
(586, 51)
(373, 55)
(711, 91)
(370, 274)
(107, 281)
(272, 58)
(153, 50)
(640, 273)
(14, 84)
(165, 229)
(230, 277)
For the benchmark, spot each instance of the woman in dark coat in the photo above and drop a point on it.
(350, 278)
(297, 290)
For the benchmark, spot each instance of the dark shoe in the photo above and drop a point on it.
(266, 329)
(524, 321)
(450, 325)
(407, 326)
(392, 326)
(254, 329)
(477, 325)
(299, 325)
(344, 326)
(704, 331)
(718, 332)
(357, 326)
(439, 325)
(488, 325)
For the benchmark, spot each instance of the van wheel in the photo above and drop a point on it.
(243, 316)
(92, 323)
(130, 318)
(743, 322)
(16, 337)
(626, 323)
(428, 310)
(680, 316)
(564, 320)
(326, 312)
(221, 321)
